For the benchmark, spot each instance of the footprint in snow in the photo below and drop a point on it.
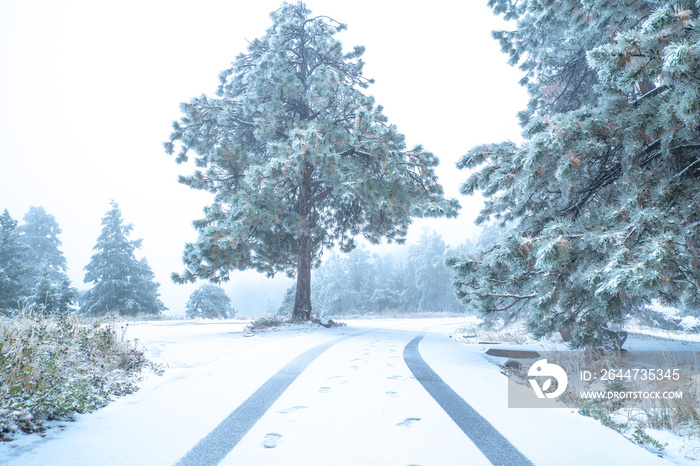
(394, 377)
(324, 389)
(291, 410)
(408, 422)
(271, 440)
(392, 394)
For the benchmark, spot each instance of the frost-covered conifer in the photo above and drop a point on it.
(210, 302)
(50, 296)
(121, 283)
(602, 198)
(361, 282)
(48, 285)
(40, 233)
(431, 276)
(13, 268)
(298, 157)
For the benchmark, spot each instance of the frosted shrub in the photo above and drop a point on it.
(51, 368)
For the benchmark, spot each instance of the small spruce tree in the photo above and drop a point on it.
(49, 296)
(121, 283)
(210, 302)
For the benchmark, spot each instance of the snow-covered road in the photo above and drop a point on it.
(356, 403)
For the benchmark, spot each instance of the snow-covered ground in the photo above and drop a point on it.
(356, 404)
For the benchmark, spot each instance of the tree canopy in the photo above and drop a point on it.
(600, 203)
(298, 157)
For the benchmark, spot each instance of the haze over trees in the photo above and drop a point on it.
(361, 283)
(600, 202)
(121, 284)
(299, 159)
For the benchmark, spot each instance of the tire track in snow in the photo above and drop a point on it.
(487, 439)
(213, 448)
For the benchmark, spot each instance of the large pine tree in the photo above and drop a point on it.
(121, 283)
(601, 199)
(298, 157)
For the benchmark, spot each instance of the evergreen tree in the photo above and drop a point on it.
(146, 289)
(13, 268)
(51, 291)
(360, 282)
(211, 302)
(601, 199)
(121, 284)
(50, 296)
(331, 294)
(40, 233)
(360, 278)
(390, 286)
(433, 280)
(298, 157)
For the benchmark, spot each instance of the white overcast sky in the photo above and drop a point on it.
(89, 90)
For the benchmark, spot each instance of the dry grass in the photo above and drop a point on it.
(277, 321)
(678, 413)
(395, 314)
(506, 336)
(674, 414)
(53, 367)
(265, 323)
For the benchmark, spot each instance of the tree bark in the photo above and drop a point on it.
(302, 299)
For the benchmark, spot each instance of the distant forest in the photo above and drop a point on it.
(360, 282)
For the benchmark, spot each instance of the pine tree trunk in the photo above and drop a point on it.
(302, 300)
